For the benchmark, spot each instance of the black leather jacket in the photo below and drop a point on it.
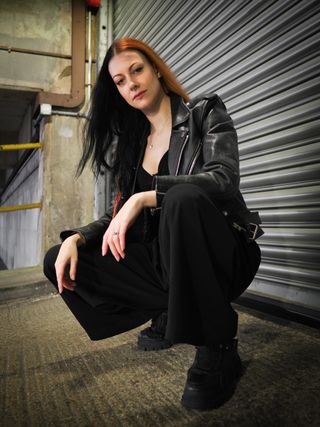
(203, 150)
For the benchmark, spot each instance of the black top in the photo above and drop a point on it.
(144, 183)
(144, 179)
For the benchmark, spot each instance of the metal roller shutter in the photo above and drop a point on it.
(262, 58)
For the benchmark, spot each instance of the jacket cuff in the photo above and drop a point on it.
(159, 197)
(67, 233)
(159, 194)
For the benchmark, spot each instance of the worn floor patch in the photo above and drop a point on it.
(53, 375)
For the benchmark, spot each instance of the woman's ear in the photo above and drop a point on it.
(157, 72)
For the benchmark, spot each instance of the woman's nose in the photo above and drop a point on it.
(133, 84)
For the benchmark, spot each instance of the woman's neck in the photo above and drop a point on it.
(160, 117)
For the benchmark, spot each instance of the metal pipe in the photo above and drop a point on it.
(28, 146)
(89, 57)
(110, 23)
(10, 49)
(21, 207)
(68, 113)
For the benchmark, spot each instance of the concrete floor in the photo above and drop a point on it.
(53, 375)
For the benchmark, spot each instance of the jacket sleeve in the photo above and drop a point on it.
(93, 232)
(219, 175)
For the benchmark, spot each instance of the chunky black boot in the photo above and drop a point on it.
(213, 376)
(152, 338)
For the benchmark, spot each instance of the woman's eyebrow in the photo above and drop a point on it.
(132, 65)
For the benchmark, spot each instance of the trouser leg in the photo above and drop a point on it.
(202, 260)
(111, 297)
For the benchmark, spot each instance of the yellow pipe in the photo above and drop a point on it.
(20, 207)
(21, 146)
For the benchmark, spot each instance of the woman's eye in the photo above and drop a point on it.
(137, 70)
(119, 82)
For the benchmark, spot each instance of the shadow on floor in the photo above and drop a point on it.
(52, 374)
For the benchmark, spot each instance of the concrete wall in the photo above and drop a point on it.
(66, 202)
(39, 25)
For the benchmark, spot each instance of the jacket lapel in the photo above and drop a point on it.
(176, 148)
(141, 154)
(180, 114)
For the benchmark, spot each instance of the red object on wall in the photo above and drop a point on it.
(93, 3)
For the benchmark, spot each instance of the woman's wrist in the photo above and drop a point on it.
(78, 239)
(147, 199)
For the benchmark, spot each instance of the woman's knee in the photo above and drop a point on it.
(183, 194)
(49, 261)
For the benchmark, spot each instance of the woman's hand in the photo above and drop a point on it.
(115, 236)
(68, 255)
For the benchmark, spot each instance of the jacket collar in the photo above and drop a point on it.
(180, 114)
(179, 110)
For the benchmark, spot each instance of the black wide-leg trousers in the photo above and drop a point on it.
(194, 269)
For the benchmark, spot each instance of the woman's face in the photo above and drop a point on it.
(136, 79)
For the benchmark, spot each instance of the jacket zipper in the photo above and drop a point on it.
(193, 161)
(181, 151)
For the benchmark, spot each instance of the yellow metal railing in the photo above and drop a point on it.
(28, 146)
(6, 147)
(20, 207)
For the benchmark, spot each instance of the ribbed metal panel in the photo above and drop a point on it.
(262, 58)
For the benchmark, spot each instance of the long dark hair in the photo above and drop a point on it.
(111, 117)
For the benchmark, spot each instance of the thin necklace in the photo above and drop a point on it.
(150, 145)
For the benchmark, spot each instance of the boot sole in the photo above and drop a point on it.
(149, 344)
(202, 401)
(194, 400)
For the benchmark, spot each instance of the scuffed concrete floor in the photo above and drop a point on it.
(53, 375)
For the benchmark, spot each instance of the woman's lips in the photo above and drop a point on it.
(139, 95)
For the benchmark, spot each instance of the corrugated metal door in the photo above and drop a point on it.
(262, 58)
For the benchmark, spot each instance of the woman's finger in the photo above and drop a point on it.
(73, 268)
(113, 249)
(105, 245)
(68, 284)
(59, 274)
(64, 282)
(116, 241)
(122, 239)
